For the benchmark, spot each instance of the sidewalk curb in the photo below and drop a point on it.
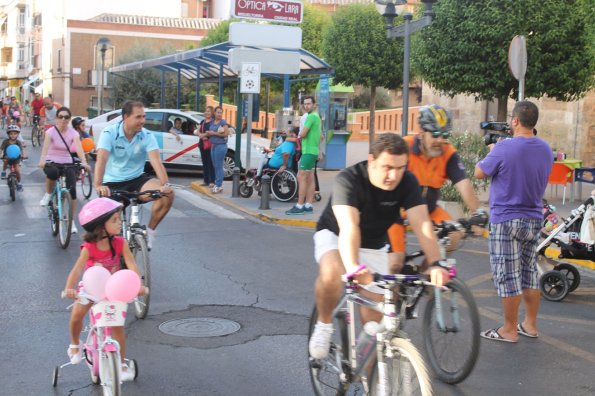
(554, 253)
(294, 223)
(312, 223)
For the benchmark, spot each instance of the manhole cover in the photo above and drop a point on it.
(199, 327)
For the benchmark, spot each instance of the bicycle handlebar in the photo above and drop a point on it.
(462, 225)
(383, 280)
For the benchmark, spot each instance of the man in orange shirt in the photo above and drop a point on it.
(434, 161)
(48, 113)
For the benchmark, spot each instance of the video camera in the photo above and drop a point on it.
(501, 130)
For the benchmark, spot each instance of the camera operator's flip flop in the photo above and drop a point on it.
(493, 335)
(521, 331)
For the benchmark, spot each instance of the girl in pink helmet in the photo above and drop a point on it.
(101, 219)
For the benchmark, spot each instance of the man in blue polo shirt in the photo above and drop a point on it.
(122, 152)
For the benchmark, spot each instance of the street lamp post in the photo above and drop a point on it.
(102, 44)
(389, 10)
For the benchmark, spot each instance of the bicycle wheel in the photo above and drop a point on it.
(34, 136)
(55, 375)
(39, 136)
(326, 374)
(406, 372)
(141, 255)
(12, 186)
(452, 348)
(572, 275)
(53, 215)
(86, 183)
(109, 372)
(65, 221)
(90, 348)
(284, 186)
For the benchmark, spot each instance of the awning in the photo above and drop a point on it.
(39, 88)
(212, 62)
(34, 82)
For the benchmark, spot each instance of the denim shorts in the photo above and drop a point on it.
(513, 255)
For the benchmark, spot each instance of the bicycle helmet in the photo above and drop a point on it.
(434, 118)
(76, 121)
(97, 212)
(13, 128)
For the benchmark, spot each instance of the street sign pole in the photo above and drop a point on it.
(250, 84)
(249, 129)
(517, 62)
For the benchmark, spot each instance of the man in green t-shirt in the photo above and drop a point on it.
(310, 138)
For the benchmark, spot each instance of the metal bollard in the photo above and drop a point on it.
(265, 188)
(235, 186)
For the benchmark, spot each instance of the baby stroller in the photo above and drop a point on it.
(574, 236)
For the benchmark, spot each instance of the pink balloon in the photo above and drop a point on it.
(124, 285)
(94, 281)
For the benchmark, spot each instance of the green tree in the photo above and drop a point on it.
(465, 51)
(355, 45)
(144, 85)
(218, 35)
(314, 26)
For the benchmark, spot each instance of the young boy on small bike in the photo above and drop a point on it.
(13, 134)
(101, 218)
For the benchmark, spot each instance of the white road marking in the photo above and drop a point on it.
(34, 191)
(207, 205)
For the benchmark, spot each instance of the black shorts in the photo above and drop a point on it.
(53, 171)
(132, 185)
(12, 161)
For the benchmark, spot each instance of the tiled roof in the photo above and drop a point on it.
(181, 23)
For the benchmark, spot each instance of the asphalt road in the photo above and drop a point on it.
(211, 262)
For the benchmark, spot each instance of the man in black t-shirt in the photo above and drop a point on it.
(353, 228)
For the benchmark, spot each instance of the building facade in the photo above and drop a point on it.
(50, 47)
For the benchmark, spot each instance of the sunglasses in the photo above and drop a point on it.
(437, 134)
(64, 117)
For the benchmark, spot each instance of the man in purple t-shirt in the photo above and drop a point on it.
(519, 169)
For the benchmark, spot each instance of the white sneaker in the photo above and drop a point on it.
(74, 230)
(46, 198)
(150, 237)
(126, 374)
(75, 358)
(320, 342)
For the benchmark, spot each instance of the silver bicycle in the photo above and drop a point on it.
(136, 236)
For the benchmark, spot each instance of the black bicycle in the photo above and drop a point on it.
(36, 132)
(11, 181)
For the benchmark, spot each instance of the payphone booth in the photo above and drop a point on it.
(335, 125)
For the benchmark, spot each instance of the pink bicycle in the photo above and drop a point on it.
(101, 351)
